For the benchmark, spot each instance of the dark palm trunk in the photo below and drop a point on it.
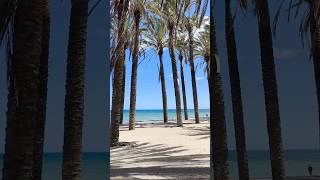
(134, 72)
(175, 75)
(183, 87)
(163, 87)
(23, 98)
(123, 84)
(118, 76)
(193, 78)
(315, 40)
(270, 90)
(40, 124)
(219, 147)
(74, 98)
(238, 119)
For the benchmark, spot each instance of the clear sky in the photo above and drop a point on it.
(294, 73)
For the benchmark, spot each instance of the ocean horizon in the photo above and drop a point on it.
(95, 165)
(143, 115)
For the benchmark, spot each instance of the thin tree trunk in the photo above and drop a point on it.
(75, 86)
(163, 87)
(23, 98)
(40, 124)
(183, 87)
(219, 147)
(134, 72)
(193, 79)
(123, 85)
(315, 50)
(118, 76)
(243, 169)
(270, 91)
(175, 76)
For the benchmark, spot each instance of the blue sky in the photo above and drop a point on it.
(294, 73)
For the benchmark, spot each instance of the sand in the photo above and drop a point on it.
(162, 151)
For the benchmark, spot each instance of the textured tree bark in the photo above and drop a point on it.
(75, 86)
(183, 87)
(118, 76)
(193, 79)
(163, 87)
(175, 75)
(24, 97)
(219, 147)
(270, 90)
(243, 169)
(134, 72)
(40, 123)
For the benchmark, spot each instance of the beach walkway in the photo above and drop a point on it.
(163, 151)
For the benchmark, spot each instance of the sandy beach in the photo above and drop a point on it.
(162, 151)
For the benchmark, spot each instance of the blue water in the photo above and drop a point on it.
(157, 115)
(95, 165)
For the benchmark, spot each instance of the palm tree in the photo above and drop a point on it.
(43, 76)
(180, 45)
(270, 89)
(120, 8)
(202, 48)
(137, 10)
(74, 98)
(237, 108)
(24, 98)
(155, 37)
(172, 11)
(190, 23)
(219, 147)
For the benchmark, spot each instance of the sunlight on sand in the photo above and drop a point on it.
(163, 151)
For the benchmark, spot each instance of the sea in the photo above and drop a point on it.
(95, 165)
(157, 114)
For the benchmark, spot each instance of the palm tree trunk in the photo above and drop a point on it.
(270, 90)
(23, 98)
(40, 124)
(163, 87)
(219, 146)
(175, 75)
(134, 73)
(118, 76)
(237, 108)
(123, 84)
(315, 50)
(74, 98)
(183, 87)
(193, 79)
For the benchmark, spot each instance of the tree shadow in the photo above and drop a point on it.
(144, 160)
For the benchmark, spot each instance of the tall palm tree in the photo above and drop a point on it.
(24, 98)
(237, 108)
(219, 147)
(172, 11)
(74, 98)
(119, 9)
(180, 45)
(137, 10)
(270, 88)
(190, 23)
(155, 37)
(43, 76)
